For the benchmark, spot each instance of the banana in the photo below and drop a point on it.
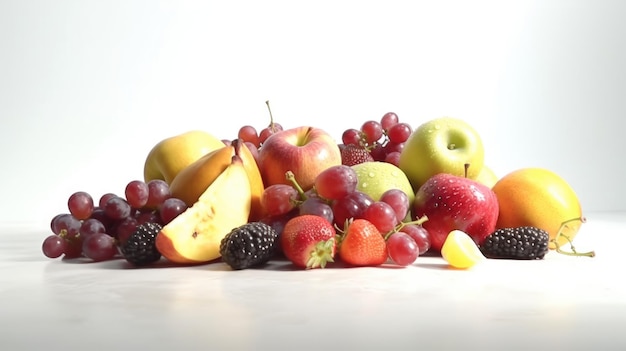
(195, 235)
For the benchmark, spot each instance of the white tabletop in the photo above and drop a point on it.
(559, 303)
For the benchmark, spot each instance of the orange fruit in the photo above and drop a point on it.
(540, 198)
(460, 251)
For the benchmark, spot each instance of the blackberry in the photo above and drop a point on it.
(520, 243)
(140, 249)
(249, 245)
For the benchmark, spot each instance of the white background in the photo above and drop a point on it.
(88, 87)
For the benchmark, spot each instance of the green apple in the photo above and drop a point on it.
(442, 145)
(375, 177)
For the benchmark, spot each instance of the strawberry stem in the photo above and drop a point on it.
(321, 254)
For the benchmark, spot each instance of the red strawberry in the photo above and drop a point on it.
(308, 241)
(353, 154)
(361, 244)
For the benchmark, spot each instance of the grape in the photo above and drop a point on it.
(53, 223)
(381, 215)
(72, 248)
(66, 224)
(419, 234)
(336, 182)
(53, 246)
(278, 199)
(124, 229)
(104, 198)
(249, 134)
(398, 200)
(393, 147)
(402, 249)
(393, 158)
(351, 137)
(350, 206)
(99, 247)
(100, 215)
(317, 206)
(158, 191)
(372, 131)
(117, 208)
(170, 209)
(268, 131)
(80, 205)
(388, 120)
(144, 216)
(136, 193)
(399, 133)
(378, 152)
(91, 226)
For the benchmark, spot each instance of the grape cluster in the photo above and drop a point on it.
(253, 138)
(383, 139)
(335, 198)
(96, 230)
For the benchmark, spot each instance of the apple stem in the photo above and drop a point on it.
(401, 225)
(267, 102)
(292, 178)
(572, 251)
(466, 167)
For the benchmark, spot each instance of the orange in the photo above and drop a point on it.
(540, 198)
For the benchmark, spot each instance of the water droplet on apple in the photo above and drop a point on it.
(437, 127)
(371, 174)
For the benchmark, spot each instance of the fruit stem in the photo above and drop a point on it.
(573, 251)
(401, 225)
(466, 167)
(267, 102)
(292, 178)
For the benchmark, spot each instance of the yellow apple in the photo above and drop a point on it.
(487, 177)
(171, 155)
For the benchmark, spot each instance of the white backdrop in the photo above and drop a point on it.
(88, 87)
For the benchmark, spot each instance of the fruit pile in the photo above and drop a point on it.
(387, 194)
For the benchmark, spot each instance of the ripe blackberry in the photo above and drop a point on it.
(520, 243)
(140, 249)
(249, 245)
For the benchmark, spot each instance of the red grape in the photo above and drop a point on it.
(378, 152)
(350, 206)
(372, 131)
(398, 200)
(249, 133)
(80, 205)
(381, 215)
(351, 137)
(104, 198)
(158, 191)
(136, 193)
(278, 199)
(171, 208)
(388, 120)
(117, 208)
(68, 223)
(317, 206)
(402, 249)
(53, 246)
(399, 133)
(124, 229)
(269, 131)
(336, 182)
(99, 247)
(419, 234)
(91, 226)
(393, 158)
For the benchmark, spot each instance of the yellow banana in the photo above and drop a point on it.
(195, 235)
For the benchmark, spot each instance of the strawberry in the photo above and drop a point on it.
(353, 154)
(361, 244)
(308, 241)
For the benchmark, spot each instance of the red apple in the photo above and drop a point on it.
(451, 202)
(306, 151)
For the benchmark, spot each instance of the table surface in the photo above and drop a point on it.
(559, 303)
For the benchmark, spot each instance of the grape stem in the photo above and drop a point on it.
(401, 225)
(292, 178)
(572, 251)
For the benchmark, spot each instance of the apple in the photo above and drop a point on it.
(456, 203)
(305, 151)
(487, 176)
(442, 145)
(171, 155)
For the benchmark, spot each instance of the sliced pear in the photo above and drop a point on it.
(195, 235)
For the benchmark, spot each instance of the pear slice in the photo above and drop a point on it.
(194, 236)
